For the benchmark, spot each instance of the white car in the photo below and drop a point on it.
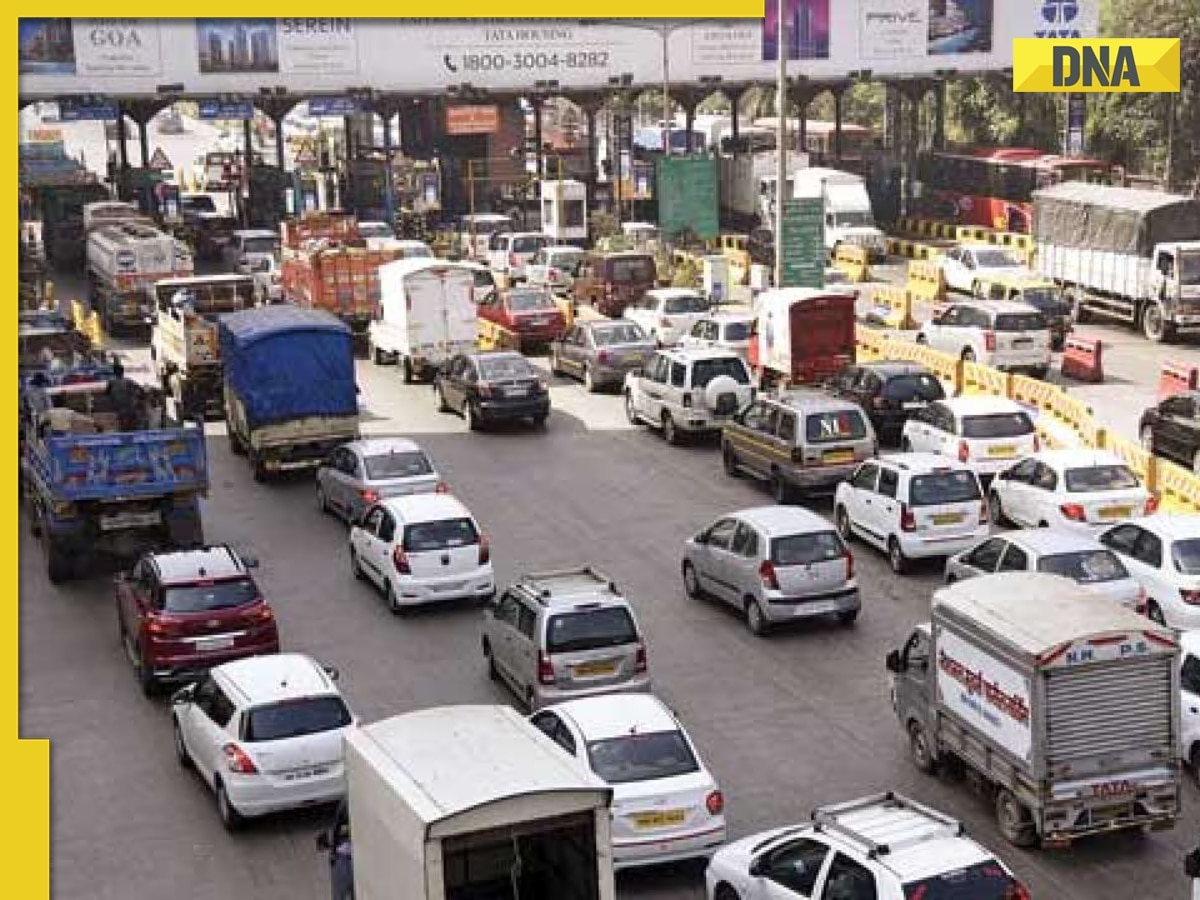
(510, 252)
(885, 847)
(688, 391)
(912, 505)
(667, 314)
(724, 330)
(555, 268)
(1003, 334)
(359, 474)
(967, 267)
(666, 805)
(1162, 552)
(265, 733)
(1189, 686)
(1073, 490)
(422, 548)
(987, 433)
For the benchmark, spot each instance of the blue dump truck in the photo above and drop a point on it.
(290, 396)
(105, 475)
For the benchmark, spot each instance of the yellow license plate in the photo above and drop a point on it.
(947, 518)
(1116, 512)
(663, 819)
(1002, 450)
(591, 670)
(838, 456)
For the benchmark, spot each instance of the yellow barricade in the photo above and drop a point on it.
(1177, 488)
(899, 303)
(912, 249)
(92, 329)
(492, 337)
(78, 315)
(566, 306)
(925, 281)
(981, 379)
(945, 366)
(739, 265)
(854, 261)
(1144, 466)
(971, 233)
(871, 342)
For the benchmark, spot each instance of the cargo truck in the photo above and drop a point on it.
(848, 216)
(60, 207)
(290, 396)
(427, 315)
(472, 803)
(801, 335)
(1062, 706)
(1122, 253)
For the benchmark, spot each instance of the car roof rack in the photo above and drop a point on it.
(826, 818)
(558, 582)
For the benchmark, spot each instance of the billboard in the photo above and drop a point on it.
(105, 48)
(472, 119)
(807, 29)
(237, 45)
(45, 47)
(960, 26)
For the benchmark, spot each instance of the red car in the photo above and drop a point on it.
(529, 312)
(182, 613)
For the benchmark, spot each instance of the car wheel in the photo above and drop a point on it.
(539, 422)
(951, 578)
(322, 500)
(848, 617)
(725, 892)
(691, 582)
(493, 672)
(389, 598)
(919, 749)
(230, 817)
(181, 752)
(1040, 373)
(1147, 439)
(968, 355)
(472, 416)
(755, 620)
(905, 445)
(841, 519)
(896, 557)
(631, 413)
(408, 370)
(589, 380)
(356, 566)
(1014, 820)
(781, 491)
(1155, 613)
(670, 432)
(996, 508)
(1154, 324)
(729, 461)
(258, 467)
(555, 369)
(921, 339)
(442, 405)
(1043, 524)
(236, 447)
(1194, 761)
(377, 356)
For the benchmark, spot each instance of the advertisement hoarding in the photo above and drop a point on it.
(472, 119)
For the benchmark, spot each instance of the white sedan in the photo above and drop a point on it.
(666, 806)
(1162, 552)
(1080, 490)
(966, 267)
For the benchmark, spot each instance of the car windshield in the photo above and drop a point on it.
(528, 244)
(259, 245)
(921, 386)
(1046, 299)
(806, 549)
(1085, 566)
(1189, 268)
(1100, 478)
(937, 488)
(738, 331)
(633, 270)
(705, 370)
(525, 301)
(505, 367)
(984, 881)
(591, 629)
(1186, 554)
(406, 464)
(1026, 321)
(997, 425)
(198, 598)
(295, 718)
(674, 306)
(624, 333)
(836, 425)
(421, 537)
(995, 259)
(199, 204)
(642, 757)
(855, 218)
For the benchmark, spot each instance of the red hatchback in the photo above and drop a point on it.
(529, 312)
(182, 613)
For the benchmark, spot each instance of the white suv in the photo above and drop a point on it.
(912, 505)
(1003, 334)
(987, 433)
(884, 847)
(667, 314)
(688, 390)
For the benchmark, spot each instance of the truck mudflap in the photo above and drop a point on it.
(1148, 797)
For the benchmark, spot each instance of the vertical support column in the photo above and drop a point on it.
(838, 94)
(735, 100)
(277, 119)
(589, 113)
(892, 115)
(537, 136)
(939, 115)
(389, 183)
(122, 138)
(689, 113)
(247, 164)
(143, 124)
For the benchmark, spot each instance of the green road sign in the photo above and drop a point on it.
(803, 243)
(687, 195)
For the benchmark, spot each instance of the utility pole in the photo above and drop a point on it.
(780, 139)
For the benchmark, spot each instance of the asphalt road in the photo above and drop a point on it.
(785, 723)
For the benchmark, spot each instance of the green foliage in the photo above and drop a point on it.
(604, 225)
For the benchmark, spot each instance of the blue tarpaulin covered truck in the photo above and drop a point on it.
(290, 395)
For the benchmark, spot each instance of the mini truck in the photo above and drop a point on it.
(290, 396)
(802, 336)
(473, 802)
(1121, 253)
(1064, 705)
(183, 342)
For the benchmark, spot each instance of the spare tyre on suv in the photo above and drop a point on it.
(688, 390)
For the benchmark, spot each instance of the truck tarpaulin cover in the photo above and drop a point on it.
(1117, 220)
(289, 363)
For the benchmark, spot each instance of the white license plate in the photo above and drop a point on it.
(117, 521)
(209, 645)
(302, 774)
(517, 392)
(914, 404)
(810, 609)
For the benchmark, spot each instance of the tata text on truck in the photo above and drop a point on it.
(1065, 705)
(802, 335)
(183, 343)
(1121, 253)
(427, 315)
(473, 802)
(290, 396)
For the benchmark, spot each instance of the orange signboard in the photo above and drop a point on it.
(472, 119)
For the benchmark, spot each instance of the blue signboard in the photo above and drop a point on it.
(332, 106)
(226, 109)
(79, 111)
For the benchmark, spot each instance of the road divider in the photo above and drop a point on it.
(1177, 378)
(854, 261)
(893, 307)
(86, 323)
(925, 281)
(1082, 360)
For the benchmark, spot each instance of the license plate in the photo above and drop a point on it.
(947, 518)
(516, 392)
(1002, 450)
(663, 819)
(302, 774)
(117, 521)
(450, 586)
(591, 670)
(1116, 512)
(208, 645)
(838, 456)
(914, 404)
(1022, 342)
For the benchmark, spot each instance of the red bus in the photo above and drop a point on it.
(994, 187)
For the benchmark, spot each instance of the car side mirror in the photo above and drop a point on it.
(323, 842)
(183, 695)
(332, 672)
(702, 538)
(250, 561)
(894, 663)
(759, 867)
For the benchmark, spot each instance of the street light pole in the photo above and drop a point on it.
(780, 140)
(666, 94)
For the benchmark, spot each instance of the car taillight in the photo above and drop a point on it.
(1152, 505)
(849, 565)
(485, 389)
(552, 274)
(1037, 444)
(545, 669)
(260, 615)
(664, 322)
(1018, 892)
(485, 550)
(964, 451)
(767, 573)
(715, 803)
(513, 260)
(989, 341)
(237, 760)
(1140, 604)
(442, 488)
(908, 522)
(1073, 511)
(984, 513)
(369, 496)
(687, 400)
(1191, 598)
(400, 560)
(156, 626)
(602, 356)
(640, 663)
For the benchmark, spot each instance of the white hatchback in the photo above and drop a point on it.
(666, 805)
(265, 733)
(422, 548)
(667, 314)
(1162, 552)
(986, 433)
(1079, 490)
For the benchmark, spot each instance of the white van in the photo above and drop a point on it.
(476, 232)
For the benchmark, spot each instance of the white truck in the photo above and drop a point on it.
(473, 802)
(747, 190)
(848, 216)
(126, 255)
(1122, 253)
(427, 314)
(564, 211)
(1064, 707)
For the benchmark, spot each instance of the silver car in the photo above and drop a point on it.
(1079, 557)
(361, 473)
(776, 564)
(600, 353)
